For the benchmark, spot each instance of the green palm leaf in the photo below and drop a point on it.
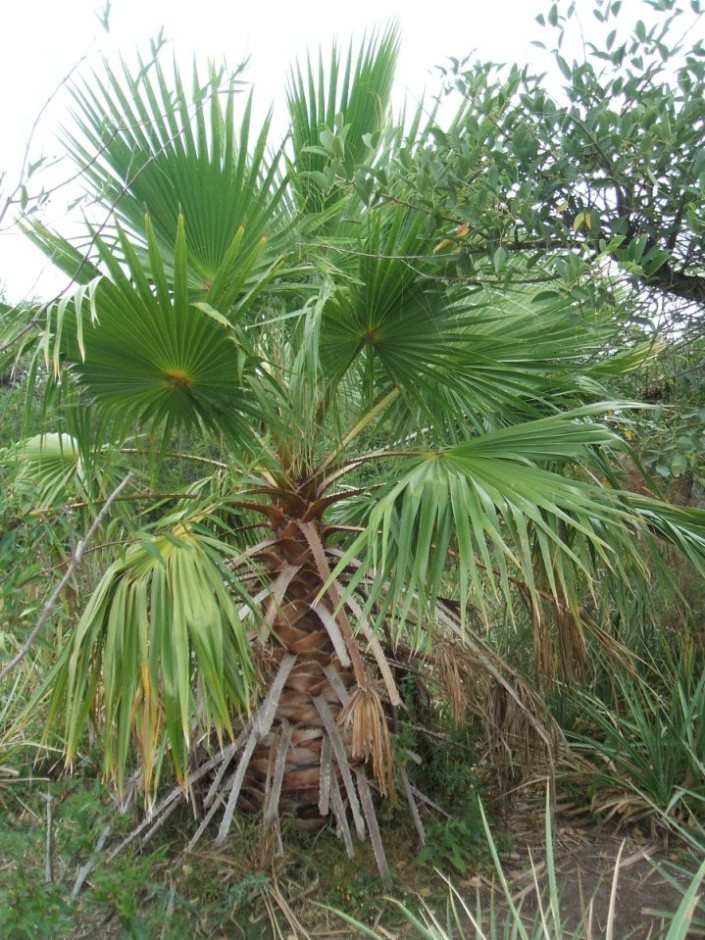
(151, 355)
(509, 517)
(397, 324)
(681, 526)
(337, 111)
(52, 467)
(168, 152)
(66, 255)
(69, 468)
(162, 637)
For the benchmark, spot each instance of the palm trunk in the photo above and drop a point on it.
(297, 629)
(295, 769)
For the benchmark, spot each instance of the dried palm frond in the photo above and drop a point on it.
(523, 737)
(369, 735)
(554, 615)
(461, 676)
(265, 662)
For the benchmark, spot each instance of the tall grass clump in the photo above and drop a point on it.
(639, 746)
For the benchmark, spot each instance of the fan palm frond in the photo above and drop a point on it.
(163, 639)
(337, 113)
(150, 354)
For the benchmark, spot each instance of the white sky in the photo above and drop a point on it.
(43, 39)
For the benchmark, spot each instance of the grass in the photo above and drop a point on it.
(246, 890)
(497, 914)
(641, 752)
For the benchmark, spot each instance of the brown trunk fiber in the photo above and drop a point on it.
(297, 629)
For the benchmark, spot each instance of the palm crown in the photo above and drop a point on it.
(386, 430)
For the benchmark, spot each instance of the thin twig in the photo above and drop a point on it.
(49, 849)
(71, 569)
(23, 174)
(86, 869)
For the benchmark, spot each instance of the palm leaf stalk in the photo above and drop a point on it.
(380, 437)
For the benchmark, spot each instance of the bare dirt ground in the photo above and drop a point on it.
(599, 870)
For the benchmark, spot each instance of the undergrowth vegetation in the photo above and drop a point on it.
(632, 761)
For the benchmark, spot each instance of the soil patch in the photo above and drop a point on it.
(600, 872)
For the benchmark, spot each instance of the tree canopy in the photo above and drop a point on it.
(604, 173)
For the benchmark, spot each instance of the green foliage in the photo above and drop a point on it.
(388, 423)
(447, 770)
(456, 842)
(22, 562)
(417, 337)
(30, 909)
(338, 113)
(670, 437)
(644, 740)
(33, 904)
(160, 617)
(528, 183)
(137, 129)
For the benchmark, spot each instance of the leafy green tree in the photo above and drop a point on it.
(385, 456)
(600, 171)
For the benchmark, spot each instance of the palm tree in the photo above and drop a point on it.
(375, 437)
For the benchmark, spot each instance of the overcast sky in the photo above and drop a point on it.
(44, 39)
